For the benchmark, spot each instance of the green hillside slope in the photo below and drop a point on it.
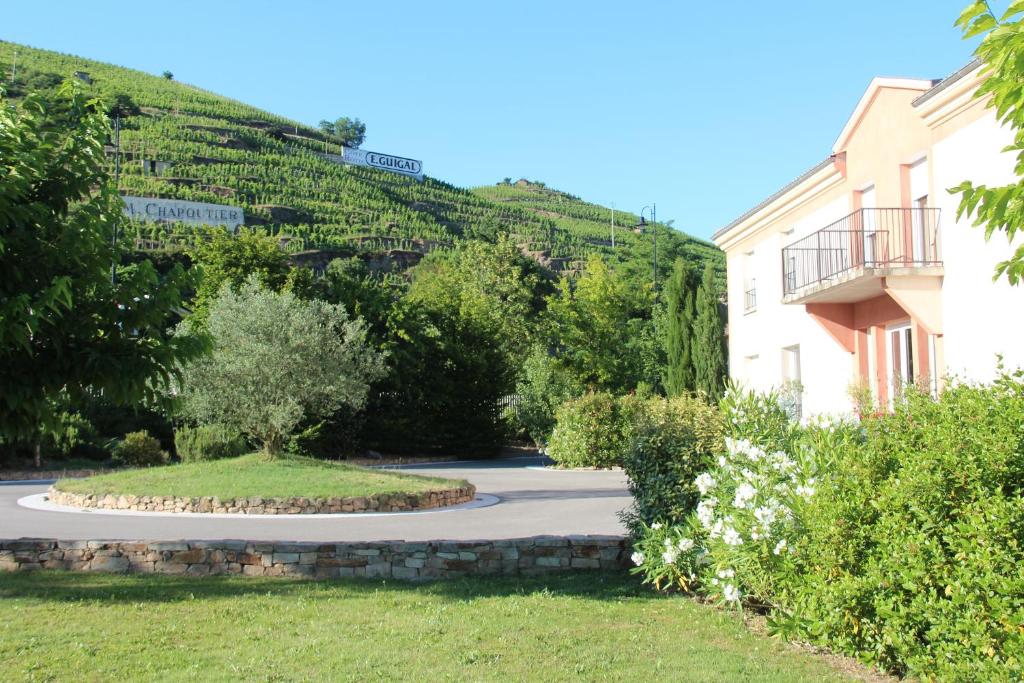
(223, 151)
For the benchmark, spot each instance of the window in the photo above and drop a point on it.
(792, 387)
(749, 284)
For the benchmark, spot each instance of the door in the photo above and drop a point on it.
(792, 387)
(920, 229)
(900, 358)
(868, 204)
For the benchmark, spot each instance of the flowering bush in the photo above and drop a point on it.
(899, 539)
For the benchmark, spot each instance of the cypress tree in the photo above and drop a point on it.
(680, 304)
(709, 339)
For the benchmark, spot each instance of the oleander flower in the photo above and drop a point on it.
(731, 593)
(705, 482)
(744, 494)
(731, 537)
(780, 547)
(685, 544)
(638, 558)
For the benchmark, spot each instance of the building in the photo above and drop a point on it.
(858, 277)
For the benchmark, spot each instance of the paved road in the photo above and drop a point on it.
(532, 503)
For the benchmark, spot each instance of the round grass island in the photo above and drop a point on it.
(254, 485)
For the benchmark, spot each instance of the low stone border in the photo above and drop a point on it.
(382, 559)
(385, 502)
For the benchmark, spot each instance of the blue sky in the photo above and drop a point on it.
(704, 108)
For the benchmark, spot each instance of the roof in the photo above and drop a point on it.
(949, 80)
(937, 86)
(802, 177)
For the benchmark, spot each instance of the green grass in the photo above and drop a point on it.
(600, 627)
(252, 475)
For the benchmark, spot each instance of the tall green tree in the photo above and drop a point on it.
(599, 327)
(1002, 51)
(276, 360)
(680, 301)
(709, 339)
(66, 330)
(225, 257)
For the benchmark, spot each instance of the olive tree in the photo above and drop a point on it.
(276, 360)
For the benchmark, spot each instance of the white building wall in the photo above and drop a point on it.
(981, 318)
(757, 338)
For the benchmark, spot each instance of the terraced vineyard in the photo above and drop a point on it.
(188, 143)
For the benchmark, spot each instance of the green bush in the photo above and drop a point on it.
(675, 441)
(589, 432)
(545, 385)
(208, 442)
(139, 449)
(915, 542)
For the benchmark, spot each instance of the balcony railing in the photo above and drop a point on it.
(868, 238)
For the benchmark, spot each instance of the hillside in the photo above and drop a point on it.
(215, 149)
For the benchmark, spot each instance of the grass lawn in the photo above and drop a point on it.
(586, 626)
(252, 475)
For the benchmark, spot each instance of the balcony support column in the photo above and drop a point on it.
(921, 297)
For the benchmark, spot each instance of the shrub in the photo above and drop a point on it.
(139, 449)
(899, 540)
(916, 539)
(675, 441)
(590, 432)
(208, 442)
(544, 386)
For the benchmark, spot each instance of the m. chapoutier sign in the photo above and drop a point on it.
(385, 162)
(178, 211)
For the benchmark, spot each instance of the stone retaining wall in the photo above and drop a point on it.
(385, 502)
(382, 559)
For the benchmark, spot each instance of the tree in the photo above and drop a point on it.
(122, 106)
(351, 131)
(66, 330)
(276, 360)
(457, 340)
(168, 75)
(327, 127)
(234, 258)
(1002, 51)
(680, 298)
(709, 340)
(595, 327)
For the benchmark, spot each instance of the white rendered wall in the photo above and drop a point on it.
(981, 318)
(826, 368)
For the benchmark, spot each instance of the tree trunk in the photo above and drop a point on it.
(38, 459)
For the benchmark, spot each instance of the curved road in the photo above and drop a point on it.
(532, 503)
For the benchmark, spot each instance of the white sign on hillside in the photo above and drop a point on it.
(384, 162)
(179, 211)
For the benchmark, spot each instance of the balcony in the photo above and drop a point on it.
(846, 261)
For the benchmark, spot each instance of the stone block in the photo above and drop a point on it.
(286, 558)
(109, 564)
(406, 573)
(585, 563)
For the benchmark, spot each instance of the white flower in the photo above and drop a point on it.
(805, 491)
(722, 462)
(670, 555)
(744, 494)
(754, 533)
(716, 529)
(656, 526)
(638, 558)
(685, 544)
(706, 511)
(731, 537)
(780, 547)
(726, 573)
(765, 515)
(731, 593)
(705, 482)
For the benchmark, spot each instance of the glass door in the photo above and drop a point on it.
(867, 203)
(900, 359)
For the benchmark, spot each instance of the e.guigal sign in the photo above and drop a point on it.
(384, 162)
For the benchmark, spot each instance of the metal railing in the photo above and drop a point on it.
(750, 297)
(871, 238)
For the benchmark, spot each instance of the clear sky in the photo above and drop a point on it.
(705, 108)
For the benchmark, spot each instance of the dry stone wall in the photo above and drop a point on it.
(387, 502)
(383, 559)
